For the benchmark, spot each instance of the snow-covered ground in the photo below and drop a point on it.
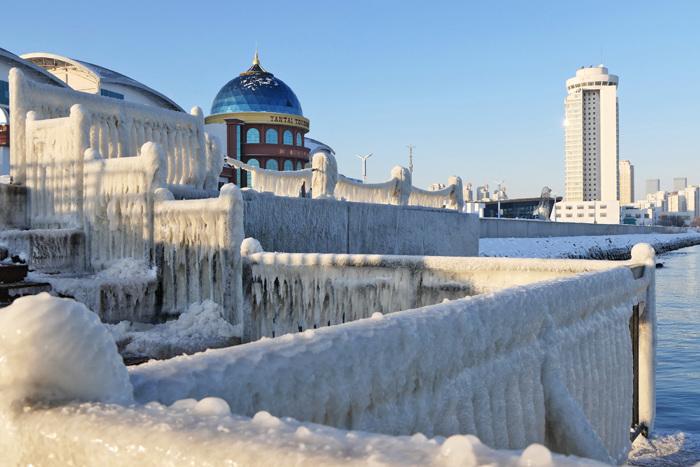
(201, 327)
(594, 247)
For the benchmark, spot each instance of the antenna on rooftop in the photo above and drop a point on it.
(410, 158)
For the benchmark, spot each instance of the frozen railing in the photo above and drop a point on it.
(118, 205)
(326, 182)
(288, 183)
(198, 246)
(550, 363)
(450, 197)
(116, 129)
(55, 147)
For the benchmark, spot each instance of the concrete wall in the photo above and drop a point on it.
(299, 225)
(13, 206)
(501, 228)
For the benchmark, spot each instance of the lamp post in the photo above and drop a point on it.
(364, 166)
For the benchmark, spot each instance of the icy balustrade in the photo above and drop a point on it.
(326, 182)
(198, 246)
(292, 292)
(115, 129)
(547, 363)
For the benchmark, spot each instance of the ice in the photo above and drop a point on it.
(211, 406)
(201, 327)
(55, 349)
(286, 183)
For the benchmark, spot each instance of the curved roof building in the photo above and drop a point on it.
(95, 79)
(260, 119)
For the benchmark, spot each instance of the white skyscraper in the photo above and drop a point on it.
(626, 182)
(591, 136)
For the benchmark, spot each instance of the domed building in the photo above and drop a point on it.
(261, 122)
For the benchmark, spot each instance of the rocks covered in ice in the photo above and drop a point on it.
(55, 349)
(201, 327)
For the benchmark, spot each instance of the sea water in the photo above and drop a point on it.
(676, 438)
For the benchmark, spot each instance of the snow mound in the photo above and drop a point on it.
(201, 327)
(55, 349)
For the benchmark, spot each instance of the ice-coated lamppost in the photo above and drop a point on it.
(364, 166)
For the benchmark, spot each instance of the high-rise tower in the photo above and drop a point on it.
(591, 136)
(626, 182)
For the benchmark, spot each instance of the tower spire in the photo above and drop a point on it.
(256, 58)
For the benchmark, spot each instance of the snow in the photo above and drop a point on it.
(201, 327)
(528, 358)
(577, 247)
(665, 449)
(54, 350)
(203, 433)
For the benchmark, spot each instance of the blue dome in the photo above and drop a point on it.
(256, 90)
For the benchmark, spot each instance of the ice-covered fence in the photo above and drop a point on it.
(198, 250)
(118, 206)
(287, 183)
(394, 191)
(292, 292)
(55, 148)
(116, 129)
(549, 363)
(450, 197)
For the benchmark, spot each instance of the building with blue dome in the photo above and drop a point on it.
(261, 121)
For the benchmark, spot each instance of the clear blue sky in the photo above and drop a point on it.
(478, 87)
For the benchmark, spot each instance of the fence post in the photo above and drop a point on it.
(643, 253)
(324, 175)
(404, 186)
(456, 200)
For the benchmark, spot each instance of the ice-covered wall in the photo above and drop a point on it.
(328, 226)
(115, 129)
(549, 363)
(450, 197)
(198, 250)
(118, 206)
(286, 293)
(48, 250)
(13, 206)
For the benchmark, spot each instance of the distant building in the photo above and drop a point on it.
(521, 208)
(653, 185)
(626, 182)
(589, 212)
(591, 136)
(680, 183)
(260, 121)
(692, 200)
(482, 192)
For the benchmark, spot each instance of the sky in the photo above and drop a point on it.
(476, 87)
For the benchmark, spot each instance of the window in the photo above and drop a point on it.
(287, 138)
(271, 136)
(299, 165)
(112, 94)
(4, 92)
(254, 163)
(298, 139)
(252, 136)
(271, 164)
(288, 165)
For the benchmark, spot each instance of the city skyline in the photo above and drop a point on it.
(477, 91)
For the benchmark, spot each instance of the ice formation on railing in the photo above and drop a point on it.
(198, 250)
(450, 197)
(392, 191)
(54, 147)
(538, 364)
(118, 208)
(116, 129)
(293, 183)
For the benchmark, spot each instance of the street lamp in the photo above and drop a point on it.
(364, 166)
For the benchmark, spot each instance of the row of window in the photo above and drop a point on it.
(271, 137)
(272, 164)
(4, 93)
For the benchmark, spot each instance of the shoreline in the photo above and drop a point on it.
(603, 247)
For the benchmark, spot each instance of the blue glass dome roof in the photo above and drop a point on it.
(256, 90)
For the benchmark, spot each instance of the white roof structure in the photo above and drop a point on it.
(30, 69)
(88, 77)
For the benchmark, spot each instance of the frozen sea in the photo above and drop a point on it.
(676, 440)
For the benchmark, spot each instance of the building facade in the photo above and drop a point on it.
(680, 183)
(626, 182)
(591, 136)
(589, 212)
(261, 122)
(653, 186)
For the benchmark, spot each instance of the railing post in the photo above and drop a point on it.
(324, 175)
(404, 186)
